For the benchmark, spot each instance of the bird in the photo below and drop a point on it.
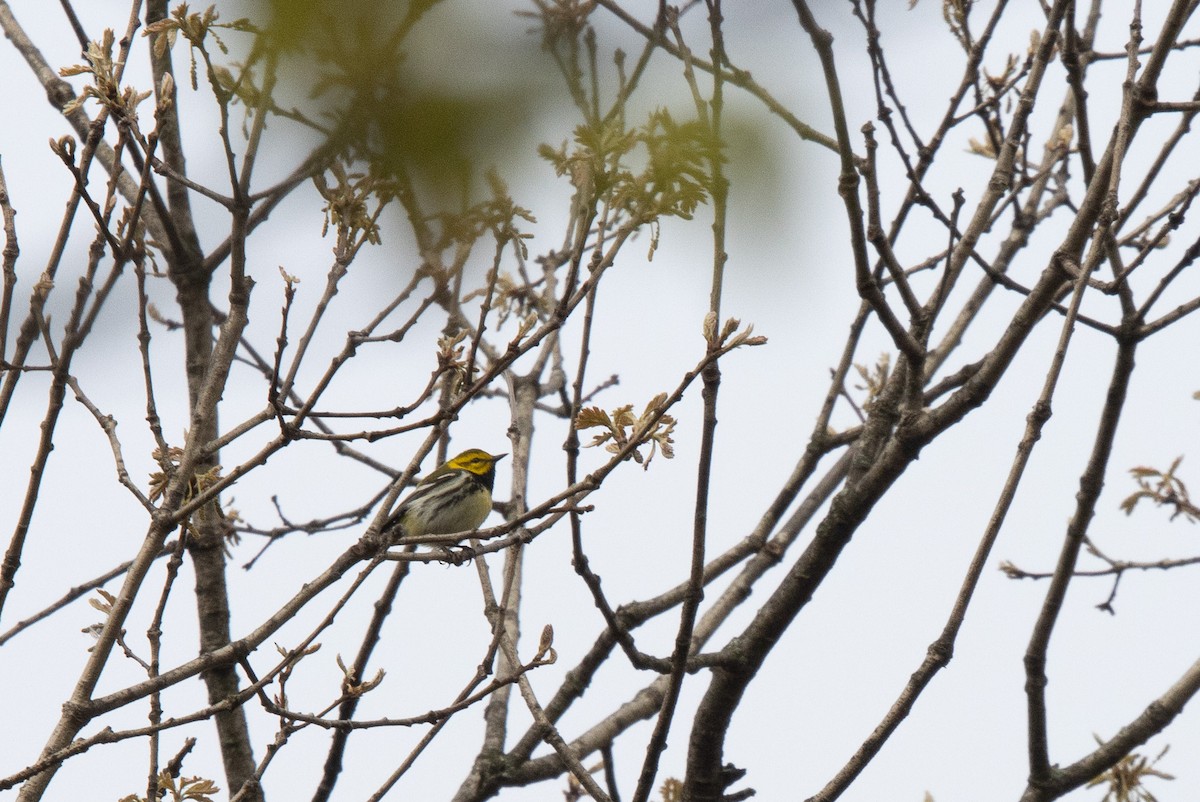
(456, 497)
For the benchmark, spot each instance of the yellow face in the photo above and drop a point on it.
(475, 460)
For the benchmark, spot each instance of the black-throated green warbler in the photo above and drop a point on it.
(456, 497)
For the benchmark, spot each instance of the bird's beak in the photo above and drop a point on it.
(498, 457)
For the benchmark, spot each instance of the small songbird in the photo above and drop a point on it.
(456, 497)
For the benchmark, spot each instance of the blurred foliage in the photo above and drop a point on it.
(415, 88)
(447, 88)
(438, 99)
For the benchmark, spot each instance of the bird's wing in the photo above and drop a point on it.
(423, 488)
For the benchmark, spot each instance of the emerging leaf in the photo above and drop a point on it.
(622, 428)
